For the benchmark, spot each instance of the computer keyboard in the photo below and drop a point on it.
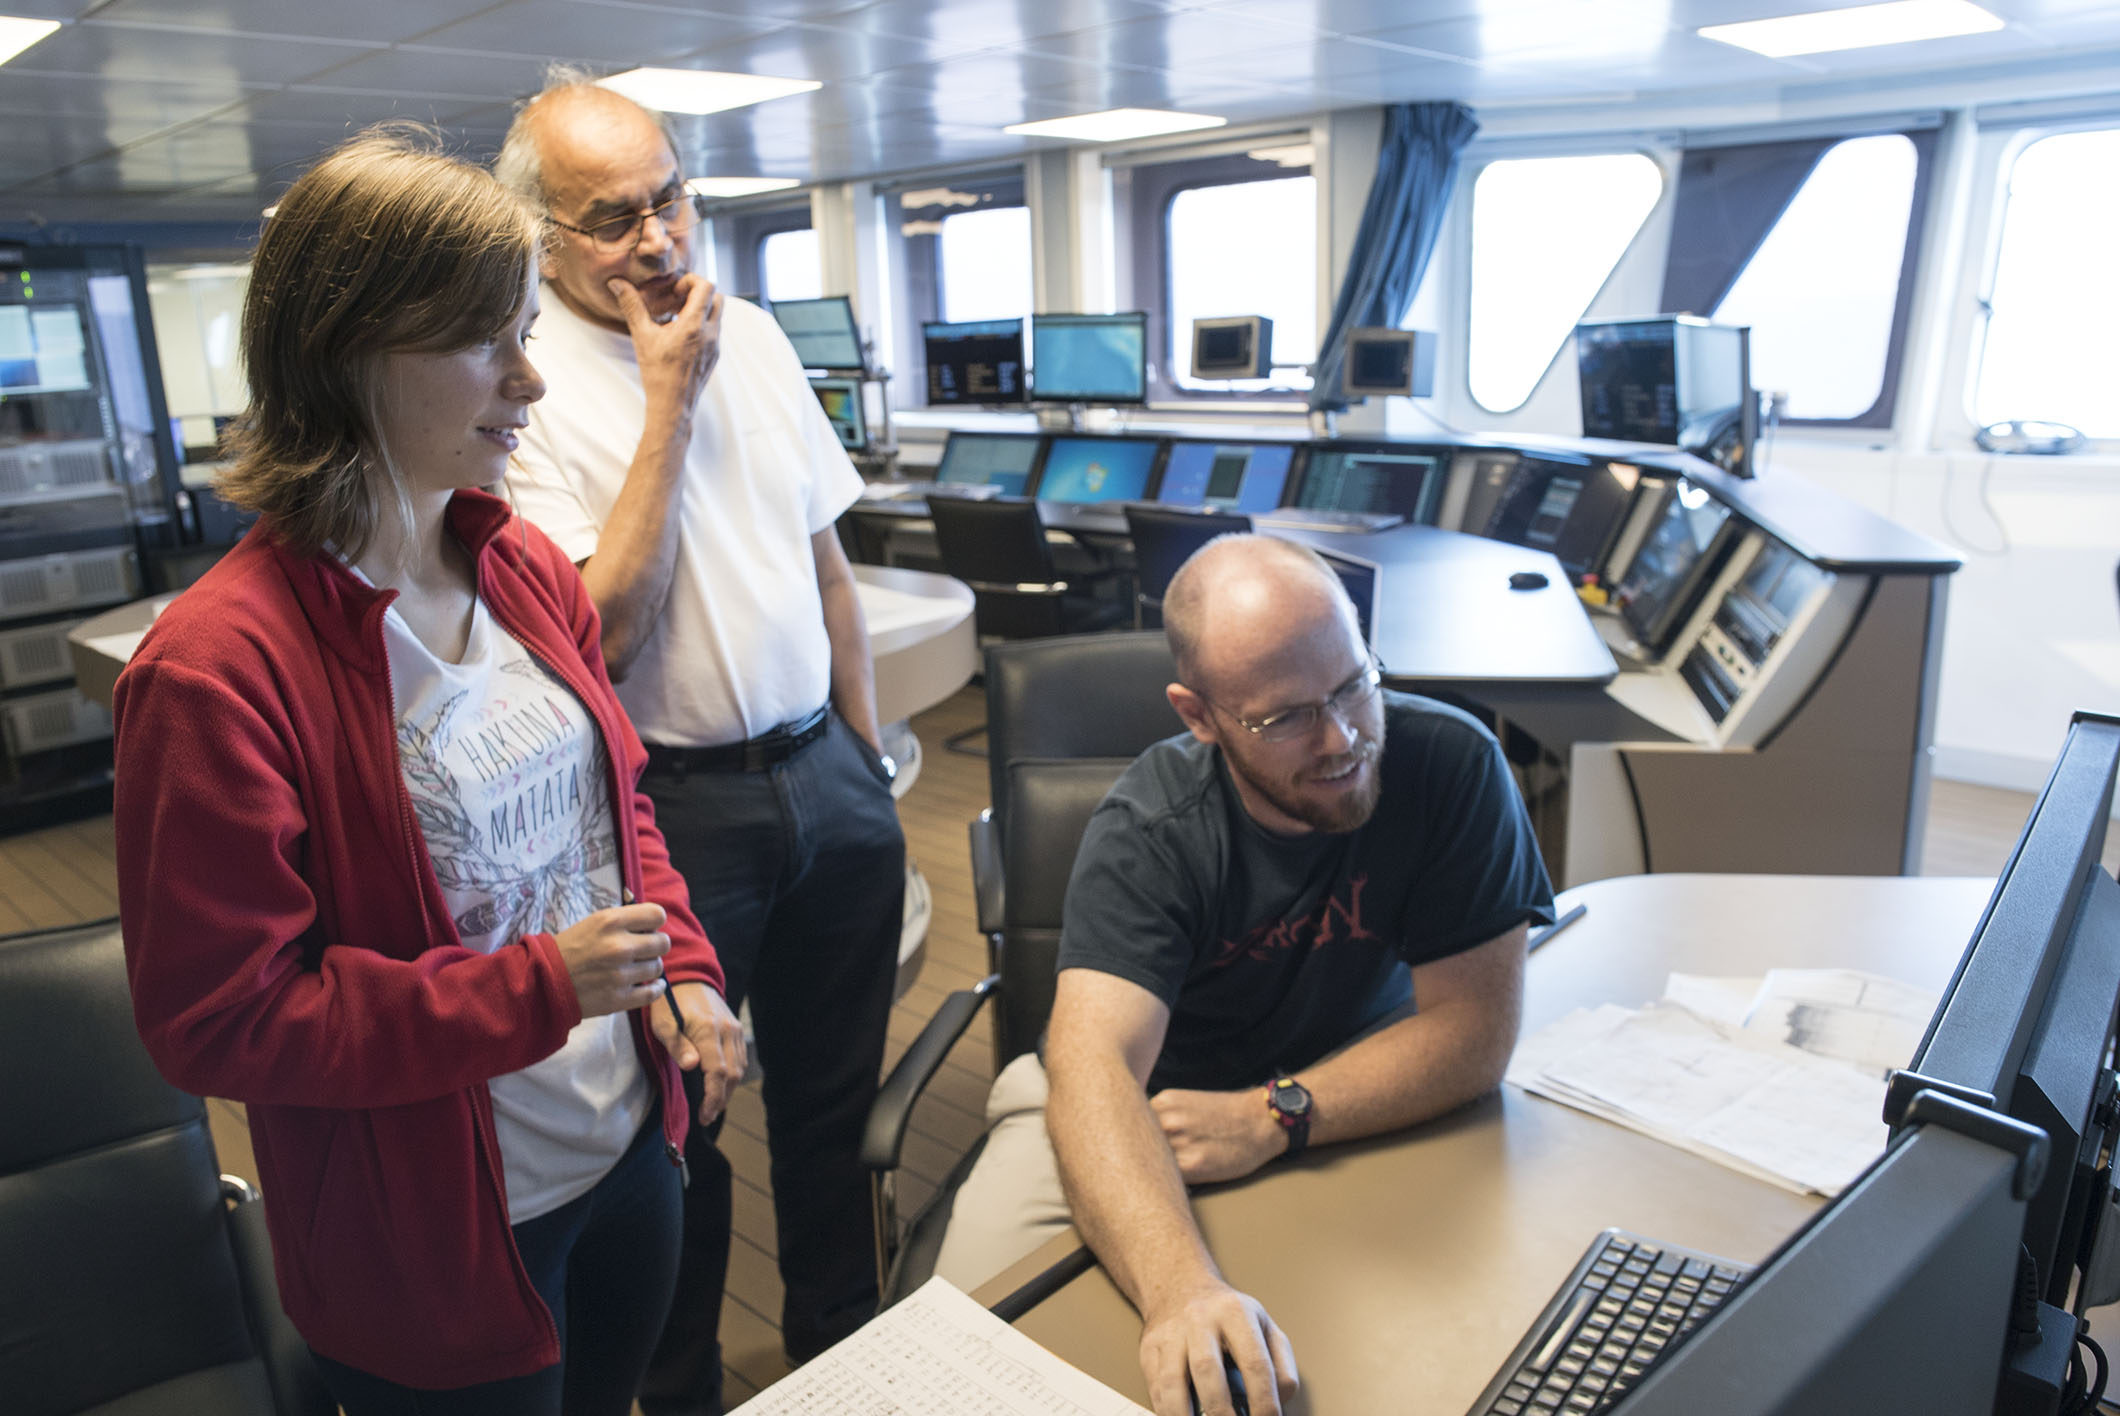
(1303, 518)
(914, 488)
(1625, 1302)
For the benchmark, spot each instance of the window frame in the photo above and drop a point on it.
(742, 232)
(1150, 189)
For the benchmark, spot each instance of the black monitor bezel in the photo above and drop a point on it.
(1431, 498)
(1154, 482)
(1030, 476)
(1097, 400)
(1685, 596)
(927, 337)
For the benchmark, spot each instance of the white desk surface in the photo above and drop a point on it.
(1405, 1268)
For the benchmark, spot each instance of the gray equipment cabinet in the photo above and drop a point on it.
(87, 476)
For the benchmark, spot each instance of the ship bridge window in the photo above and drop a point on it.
(2049, 351)
(1546, 234)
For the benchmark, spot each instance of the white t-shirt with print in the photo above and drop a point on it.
(510, 785)
(740, 647)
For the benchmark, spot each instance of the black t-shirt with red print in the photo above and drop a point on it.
(1272, 950)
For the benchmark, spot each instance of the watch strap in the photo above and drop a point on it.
(1295, 1120)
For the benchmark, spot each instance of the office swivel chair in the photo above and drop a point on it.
(133, 1277)
(1164, 537)
(1068, 716)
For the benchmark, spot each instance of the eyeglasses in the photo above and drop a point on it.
(1302, 721)
(622, 233)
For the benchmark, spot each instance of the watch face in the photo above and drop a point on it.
(1290, 1099)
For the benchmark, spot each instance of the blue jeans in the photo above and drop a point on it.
(605, 1265)
(798, 874)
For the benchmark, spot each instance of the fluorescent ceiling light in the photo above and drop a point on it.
(1116, 124)
(701, 90)
(17, 35)
(739, 186)
(1859, 28)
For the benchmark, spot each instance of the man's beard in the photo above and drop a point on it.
(1335, 815)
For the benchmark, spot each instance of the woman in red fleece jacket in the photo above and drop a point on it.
(383, 871)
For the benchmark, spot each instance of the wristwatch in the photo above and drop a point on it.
(1289, 1101)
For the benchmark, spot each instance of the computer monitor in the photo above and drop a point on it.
(43, 349)
(1569, 506)
(974, 361)
(841, 400)
(1355, 476)
(1680, 553)
(1090, 358)
(1097, 469)
(1359, 578)
(1675, 380)
(822, 332)
(1228, 476)
(1387, 362)
(1911, 1291)
(1002, 460)
(1233, 347)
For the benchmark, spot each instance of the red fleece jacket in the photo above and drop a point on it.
(289, 946)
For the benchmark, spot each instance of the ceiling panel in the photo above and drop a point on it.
(819, 52)
(380, 21)
(961, 26)
(324, 107)
(114, 55)
(438, 73)
(587, 32)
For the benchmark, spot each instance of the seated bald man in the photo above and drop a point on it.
(1302, 923)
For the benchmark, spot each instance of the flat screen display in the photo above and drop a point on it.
(43, 349)
(1658, 588)
(1090, 358)
(974, 361)
(841, 401)
(1384, 478)
(1569, 508)
(822, 331)
(1097, 469)
(1630, 381)
(1226, 476)
(1001, 460)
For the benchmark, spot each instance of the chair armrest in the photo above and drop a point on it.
(986, 871)
(297, 1390)
(884, 1134)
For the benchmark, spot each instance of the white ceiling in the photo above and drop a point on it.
(174, 110)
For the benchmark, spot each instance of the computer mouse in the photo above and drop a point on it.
(1527, 580)
(1235, 1378)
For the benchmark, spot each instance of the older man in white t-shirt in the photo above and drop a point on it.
(680, 458)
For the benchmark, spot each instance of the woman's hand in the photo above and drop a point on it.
(712, 1041)
(614, 957)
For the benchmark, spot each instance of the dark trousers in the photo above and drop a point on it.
(798, 874)
(604, 1264)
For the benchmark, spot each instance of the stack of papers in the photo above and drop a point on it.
(1785, 1085)
(938, 1353)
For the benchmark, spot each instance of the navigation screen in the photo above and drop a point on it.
(1380, 479)
(1569, 508)
(975, 361)
(841, 401)
(1657, 588)
(1001, 460)
(1630, 381)
(1097, 469)
(822, 331)
(1090, 358)
(43, 349)
(1229, 476)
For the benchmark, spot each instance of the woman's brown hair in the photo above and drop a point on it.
(387, 245)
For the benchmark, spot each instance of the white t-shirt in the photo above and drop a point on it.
(740, 647)
(509, 783)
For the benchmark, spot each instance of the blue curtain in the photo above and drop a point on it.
(1416, 172)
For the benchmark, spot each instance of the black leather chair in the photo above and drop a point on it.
(1164, 537)
(1068, 716)
(134, 1278)
(998, 547)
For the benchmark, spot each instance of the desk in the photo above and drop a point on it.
(1445, 613)
(1405, 1268)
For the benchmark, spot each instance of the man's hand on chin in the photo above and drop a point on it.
(1184, 1335)
(1218, 1135)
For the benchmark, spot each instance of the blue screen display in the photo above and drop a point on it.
(989, 459)
(1097, 469)
(1089, 358)
(1232, 476)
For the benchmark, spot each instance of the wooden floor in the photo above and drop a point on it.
(64, 875)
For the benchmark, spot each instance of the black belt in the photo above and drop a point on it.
(768, 749)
